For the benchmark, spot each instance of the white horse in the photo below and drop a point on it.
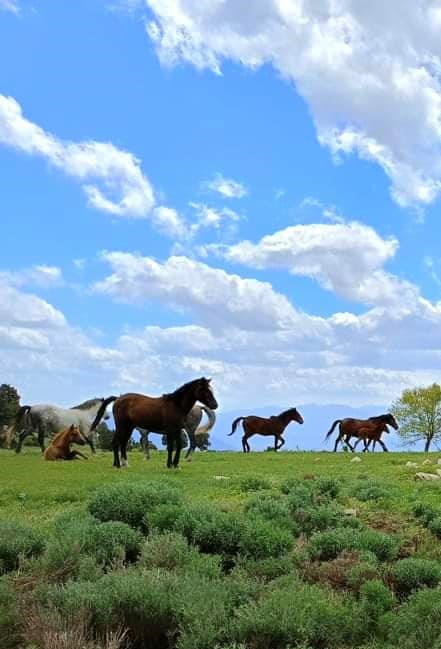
(47, 420)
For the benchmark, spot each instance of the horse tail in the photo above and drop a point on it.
(101, 411)
(201, 430)
(329, 433)
(234, 425)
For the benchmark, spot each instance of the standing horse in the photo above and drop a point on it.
(191, 424)
(48, 420)
(266, 426)
(59, 448)
(371, 429)
(164, 414)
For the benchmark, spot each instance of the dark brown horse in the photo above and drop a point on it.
(365, 429)
(60, 446)
(271, 426)
(164, 414)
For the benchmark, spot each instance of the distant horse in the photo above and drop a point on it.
(48, 420)
(266, 426)
(364, 429)
(59, 448)
(166, 414)
(369, 436)
(191, 424)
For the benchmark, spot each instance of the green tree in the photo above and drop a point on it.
(105, 436)
(9, 404)
(203, 441)
(418, 412)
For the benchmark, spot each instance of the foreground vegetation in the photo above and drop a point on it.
(265, 551)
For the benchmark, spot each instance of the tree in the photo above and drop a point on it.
(418, 412)
(9, 404)
(203, 441)
(105, 436)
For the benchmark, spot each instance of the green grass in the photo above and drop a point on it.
(35, 491)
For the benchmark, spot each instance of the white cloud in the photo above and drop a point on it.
(212, 294)
(42, 276)
(10, 5)
(346, 258)
(111, 178)
(369, 73)
(169, 222)
(227, 187)
(211, 217)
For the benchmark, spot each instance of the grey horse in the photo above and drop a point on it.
(192, 422)
(47, 420)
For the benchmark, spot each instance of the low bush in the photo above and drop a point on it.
(328, 545)
(17, 541)
(9, 620)
(273, 508)
(294, 614)
(320, 518)
(129, 503)
(425, 512)
(375, 600)
(435, 526)
(417, 623)
(254, 483)
(369, 490)
(411, 574)
(329, 487)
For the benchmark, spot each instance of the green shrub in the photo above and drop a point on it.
(435, 526)
(370, 490)
(329, 487)
(254, 483)
(425, 512)
(322, 517)
(375, 599)
(129, 503)
(327, 545)
(417, 623)
(410, 574)
(9, 621)
(260, 539)
(366, 570)
(273, 508)
(17, 541)
(293, 614)
(113, 540)
(265, 569)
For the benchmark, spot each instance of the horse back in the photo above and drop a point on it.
(151, 413)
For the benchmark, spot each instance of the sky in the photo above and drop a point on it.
(245, 191)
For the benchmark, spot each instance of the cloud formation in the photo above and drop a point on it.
(369, 74)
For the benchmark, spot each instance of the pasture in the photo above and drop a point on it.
(233, 551)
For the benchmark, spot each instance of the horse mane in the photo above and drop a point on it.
(286, 412)
(182, 390)
(380, 417)
(87, 404)
(60, 434)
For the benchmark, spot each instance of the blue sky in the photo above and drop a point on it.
(146, 151)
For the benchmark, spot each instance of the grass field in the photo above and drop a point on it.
(34, 490)
(231, 551)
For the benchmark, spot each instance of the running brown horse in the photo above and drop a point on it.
(365, 429)
(271, 426)
(164, 414)
(60, 446)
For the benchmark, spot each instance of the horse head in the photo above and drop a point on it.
(76, 436)
(204, 393)
(391, 421)
(296, 416)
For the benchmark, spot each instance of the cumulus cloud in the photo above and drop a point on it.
(112, 179)
(212, 294)
(346, 258)
(227, 187)
(369, 74)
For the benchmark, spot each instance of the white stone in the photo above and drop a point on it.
(426, 462)
(356, 459)
(221, 477)
(426, 476)
(411, 464)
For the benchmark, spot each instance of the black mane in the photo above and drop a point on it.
(384, 418)
(182, 390)
(286, 412)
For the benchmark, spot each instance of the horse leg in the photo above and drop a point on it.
(178, 450)
(339, 438)
(383, 445)
(123, 445)
(41, 432)
(282, 442)
(21, 438)
(192, 446)
(115, 446)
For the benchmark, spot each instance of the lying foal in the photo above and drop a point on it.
(59, 448)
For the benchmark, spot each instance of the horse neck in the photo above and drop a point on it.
(90, 412)
(62, 440)
(185, 401)
(285, 418)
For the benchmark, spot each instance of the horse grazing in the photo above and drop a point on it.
(191, 427)
(48, 420)
(166, 414)
(59, 448)
(364, 429)
(266, 426)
